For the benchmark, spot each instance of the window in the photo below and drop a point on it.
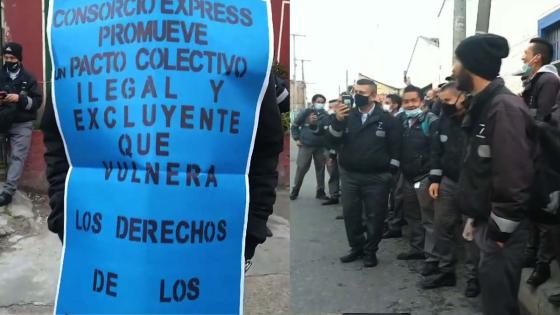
(549, 29)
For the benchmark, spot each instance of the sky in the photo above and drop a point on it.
(373, 37)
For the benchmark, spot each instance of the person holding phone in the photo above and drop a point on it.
(309, 138)
(368, 142)
(21, 94)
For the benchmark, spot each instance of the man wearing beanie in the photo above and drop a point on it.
(497, 170)
(20, 96)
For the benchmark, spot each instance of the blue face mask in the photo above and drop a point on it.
(319, 106)
(411, 113)
(526, 69)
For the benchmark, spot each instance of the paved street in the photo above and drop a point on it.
(321, 284)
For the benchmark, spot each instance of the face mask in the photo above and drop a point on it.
(12, 66)
(527, 69)
(387, 107)
(318, 106)
(411, 113)
(449, 109)
(464, 82)
(361, 100)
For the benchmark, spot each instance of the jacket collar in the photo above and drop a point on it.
(374, 114)
(480, 101)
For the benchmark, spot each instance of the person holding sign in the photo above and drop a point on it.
(19, 98)
(161, 182)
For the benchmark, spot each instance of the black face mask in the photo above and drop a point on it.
(464, 82)
(12, 66)
(448, 109)
(361, 100)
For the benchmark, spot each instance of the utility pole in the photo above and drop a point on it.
(459, 23)
(346, 86)
(303, 61)
(294, 36)
(483, 16)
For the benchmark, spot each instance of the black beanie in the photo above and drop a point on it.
(13, 49)
(482, 54)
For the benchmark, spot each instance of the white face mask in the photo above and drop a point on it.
(387, 107)
(319, 106)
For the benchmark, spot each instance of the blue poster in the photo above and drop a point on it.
(157, 102)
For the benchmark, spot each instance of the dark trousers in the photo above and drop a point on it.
(447, 219)
(305, 155)
(395, 215)
(540, 243)
(413, 216)
(500, 270)
(472, 257)
(364, 198)
(555, 237)
(334, 177)
(428, 219)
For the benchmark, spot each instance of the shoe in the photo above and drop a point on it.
(392, 234)
(268, 232)
(5, 199)
(555, 299)
(540, 274)
(339, 217)
(439, 280)
(331, 201)
(473, 288)
(370, 261)
(294, 195)
(429, 268)
(410, 256)
(321, 195)
(352, 256)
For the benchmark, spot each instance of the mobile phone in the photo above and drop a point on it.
(348, 100)
(3, 94)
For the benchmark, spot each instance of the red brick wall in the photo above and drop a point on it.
(23, 21)
(281, 23)
(24, 24)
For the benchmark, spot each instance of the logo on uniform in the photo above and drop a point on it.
(481, 131)
(380, 132)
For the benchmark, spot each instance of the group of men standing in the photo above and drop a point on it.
(461, 160)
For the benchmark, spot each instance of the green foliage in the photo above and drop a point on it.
(286, 122)
(280, 71)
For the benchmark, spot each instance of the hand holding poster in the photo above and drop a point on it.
(157, 102)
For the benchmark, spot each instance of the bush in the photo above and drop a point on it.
(286, 122)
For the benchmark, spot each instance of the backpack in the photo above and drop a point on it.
(545, 195)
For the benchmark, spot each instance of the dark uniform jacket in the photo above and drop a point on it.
(540, 92)
(416, 142)
(498, 167)
(447, 149)
(263, 175)
(30, 97)
(309, 135)
(372, 147)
